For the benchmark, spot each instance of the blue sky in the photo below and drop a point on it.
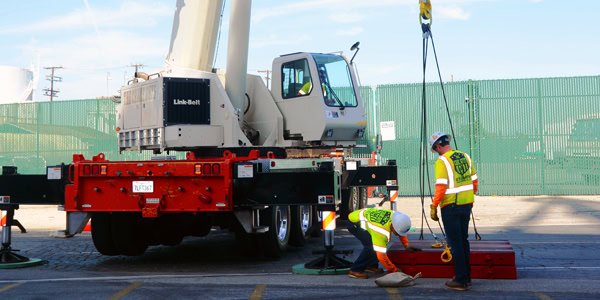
(475, 39)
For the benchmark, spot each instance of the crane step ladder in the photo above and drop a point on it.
(489, 260)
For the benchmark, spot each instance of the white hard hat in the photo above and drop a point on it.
(436, 136)
(401, 223)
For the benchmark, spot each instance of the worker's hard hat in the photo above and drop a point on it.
(401, 223)
(436, 137)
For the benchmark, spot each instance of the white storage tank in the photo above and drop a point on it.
(16, 84)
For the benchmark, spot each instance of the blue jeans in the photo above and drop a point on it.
(456, 224)
(367, 257)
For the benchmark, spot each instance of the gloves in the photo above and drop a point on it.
(412, 249)
(434, 215)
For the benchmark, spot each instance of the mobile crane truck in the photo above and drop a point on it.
(238, 137)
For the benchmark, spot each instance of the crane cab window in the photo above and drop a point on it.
(336, 80)
(296, 80)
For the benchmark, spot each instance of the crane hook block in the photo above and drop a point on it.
(425, 10)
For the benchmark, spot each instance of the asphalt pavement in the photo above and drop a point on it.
(556, 241)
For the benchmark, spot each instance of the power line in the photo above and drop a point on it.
(136, 66)
(52, 92)
(268, 76)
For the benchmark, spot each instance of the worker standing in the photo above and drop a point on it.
(455, 189)
(374, 228)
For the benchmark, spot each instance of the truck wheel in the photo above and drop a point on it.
(364, 197)
(354, 201)
(276, 240)
(101, 234)
(126, 234)
(301, 224)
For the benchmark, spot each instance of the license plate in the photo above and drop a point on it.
(143, 187)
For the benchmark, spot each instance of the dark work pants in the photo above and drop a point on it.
(456, 224)
(367, 257)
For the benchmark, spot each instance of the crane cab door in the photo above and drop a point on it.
(318, 97)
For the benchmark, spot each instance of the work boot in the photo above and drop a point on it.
(374, 270)
(469, 283)
(358, 275)
(457, 286)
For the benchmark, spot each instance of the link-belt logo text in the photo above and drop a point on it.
(186, 102)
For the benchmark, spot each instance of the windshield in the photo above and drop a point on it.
(336, 82)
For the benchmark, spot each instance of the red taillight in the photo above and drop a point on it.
(198, 169)
(206, 169)
(216, 169)
(103, 170)
(95, 170)
(86, 170)
(272, 164)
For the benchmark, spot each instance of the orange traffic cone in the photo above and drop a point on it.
(88, 227)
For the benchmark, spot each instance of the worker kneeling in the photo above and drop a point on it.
(374, 228)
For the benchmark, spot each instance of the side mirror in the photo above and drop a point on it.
(353, 48)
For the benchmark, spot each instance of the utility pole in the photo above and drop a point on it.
(52, 92)
(268, 76)
(136, 66)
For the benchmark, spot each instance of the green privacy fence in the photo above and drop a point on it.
(39, 134)
(526, 136)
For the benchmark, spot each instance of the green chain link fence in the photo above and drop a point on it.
(526, 136)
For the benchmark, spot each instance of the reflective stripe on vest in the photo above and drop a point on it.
(451, 189)
(441, 181)
(363, 220)
(379, 230)
(449, 172)
(379, 249)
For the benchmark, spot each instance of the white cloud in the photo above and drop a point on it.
(130, 14)
(88, 58)
(354, 31)
(276, 40)
(303, 7)
(347, 17)
(453, 12)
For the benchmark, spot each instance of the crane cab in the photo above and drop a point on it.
(318, 96)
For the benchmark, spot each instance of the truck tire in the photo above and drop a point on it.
(364, 197)
(126, 233)
(275, 241)
(101, 234)
(354, 201)
(301, 224)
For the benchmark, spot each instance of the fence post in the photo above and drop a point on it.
(541, 136)
(471, 120)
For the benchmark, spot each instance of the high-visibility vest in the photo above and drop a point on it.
(456, 170)
(378, 223)
(306, 88)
